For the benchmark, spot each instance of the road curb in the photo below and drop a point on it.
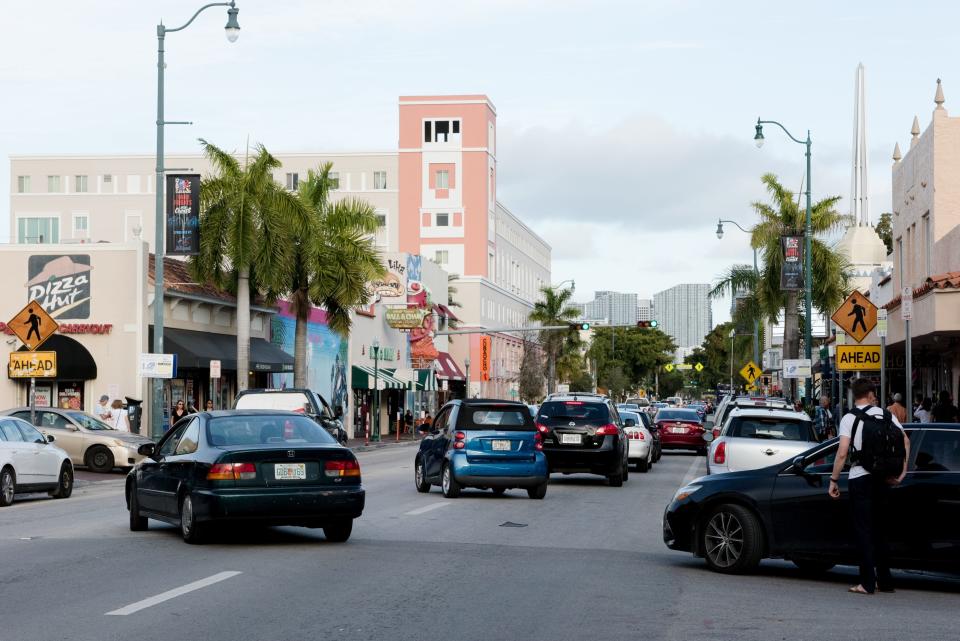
(380, 446)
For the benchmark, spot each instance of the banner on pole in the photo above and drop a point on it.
(183, 214)
(791, 271)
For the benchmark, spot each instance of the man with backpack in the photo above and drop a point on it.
(878, 450)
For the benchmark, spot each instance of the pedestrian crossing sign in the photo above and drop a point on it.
(668, 367)
(698, 367)
(750, 372)
(857, 316)
(33, 325)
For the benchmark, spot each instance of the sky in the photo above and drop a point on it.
(625, 128)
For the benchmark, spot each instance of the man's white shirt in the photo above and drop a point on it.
(846, 429)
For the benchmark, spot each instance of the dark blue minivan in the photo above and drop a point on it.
(485, 444)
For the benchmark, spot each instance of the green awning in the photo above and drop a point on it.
(363, 378)
(426, 380)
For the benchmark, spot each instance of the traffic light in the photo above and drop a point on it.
(650, 324)
(580, 327)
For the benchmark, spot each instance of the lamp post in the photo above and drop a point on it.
(466, 363)
(375, 348)
(232, 30)
(808, 234)
(756, 321)
(733, 332)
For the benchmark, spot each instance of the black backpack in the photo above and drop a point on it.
(881, 446)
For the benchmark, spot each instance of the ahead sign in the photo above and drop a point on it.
(32, 365)
(858, 358)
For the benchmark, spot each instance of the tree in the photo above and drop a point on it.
(615, 379)
(531, 370)
(582, 381)
(764, 299)
(640, 352)
(884, 230)
(553, 310)
(247, 228)
(334, 259)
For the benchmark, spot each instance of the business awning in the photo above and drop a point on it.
(197, 349)
(448, 369)
(363, 378)
(74, 362)
(420, 380)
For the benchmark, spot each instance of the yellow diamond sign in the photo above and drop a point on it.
(698, 367)
(668, 367)
(750, 372)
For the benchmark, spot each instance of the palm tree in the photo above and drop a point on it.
(765, 300)
(553, 310)
(334, 258)
(247, 226)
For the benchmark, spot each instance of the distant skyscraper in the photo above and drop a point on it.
(614, 307)
(645, 309)
(684, 313)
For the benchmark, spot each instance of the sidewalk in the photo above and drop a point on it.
(389, 440)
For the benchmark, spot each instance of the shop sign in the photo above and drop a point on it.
(158, 365)
(858, 358)
(33, 325)
(61, 283)
(214, 369)
(71, 328)
(796, 368)
(406, 317)
(485, 358)
(183, 214)
(393, 284)
(32, 365)
(43, 395)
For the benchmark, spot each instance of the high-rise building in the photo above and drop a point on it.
(645, 310)
(615, 308)
(684, 313)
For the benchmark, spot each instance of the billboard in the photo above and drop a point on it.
(61, 284)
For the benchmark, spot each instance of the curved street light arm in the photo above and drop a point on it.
(790, 135)
(738, 226)
(231, 4)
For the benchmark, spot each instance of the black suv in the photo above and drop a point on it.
(584, 433)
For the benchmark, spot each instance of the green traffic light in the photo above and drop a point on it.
(653, 323)
(585, 326)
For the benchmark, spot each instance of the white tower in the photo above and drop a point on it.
(859, 209)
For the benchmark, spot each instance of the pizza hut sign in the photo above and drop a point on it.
(61, 283)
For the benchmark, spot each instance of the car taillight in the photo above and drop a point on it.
(341, 468)
(637, 436)
(459, 441)
(232, 472)
(720, 454)
(716, 432)
(538, 441)
(543, 429)
(607, 430)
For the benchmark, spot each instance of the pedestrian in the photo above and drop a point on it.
(823, 419)
(897, 408)
(425, 425)
(408, 421)
(945, 411)
(918, 402)
(209, 407)
(119, 418)
(103, 408)
(178, 412)
(923, 414)
(878, 450)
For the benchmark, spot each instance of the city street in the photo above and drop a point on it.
(588, 562)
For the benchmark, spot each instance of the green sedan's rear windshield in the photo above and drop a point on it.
(495, 418)
(775, 429)
(265, 430)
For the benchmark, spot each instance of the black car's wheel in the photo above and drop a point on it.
(537, 492)
(731, 540)
(643, 466)
(338, 531)
(137, 523)
(626, 470)
(64, 482)
(499, 491)
(100, 459)
(451, 489)
(420, 477)
(616, 480)
(8, 486)
(813, 566)
(191, 531)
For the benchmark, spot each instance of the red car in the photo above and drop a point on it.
(680, 429)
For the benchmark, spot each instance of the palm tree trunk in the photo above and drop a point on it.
(243, 328)
(552, 372)
(791, 335)
(302, 312)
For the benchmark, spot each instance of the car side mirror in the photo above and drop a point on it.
(50, 438)
(147, 449)
(708, 436)
(796, 466)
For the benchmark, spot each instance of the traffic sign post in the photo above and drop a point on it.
(857, 316)
(882, 333)
(33, 325)
(906, 312)
(215, 378)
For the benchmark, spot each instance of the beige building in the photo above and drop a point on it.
(926, 252)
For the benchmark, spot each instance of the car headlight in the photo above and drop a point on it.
(685, 491)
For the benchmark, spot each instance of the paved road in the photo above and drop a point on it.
(588, 563)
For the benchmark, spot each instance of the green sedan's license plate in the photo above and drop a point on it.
(290, 471)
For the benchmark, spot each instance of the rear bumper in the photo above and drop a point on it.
(279, 506)
(501, 474)
(639, 449)
(682, 441)
(603, 461)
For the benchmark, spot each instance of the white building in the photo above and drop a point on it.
(684, 313)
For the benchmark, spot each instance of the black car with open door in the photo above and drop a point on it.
(736, 519)
(246, 466)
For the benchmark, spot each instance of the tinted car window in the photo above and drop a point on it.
(169, 445)
(678, 415)
(252, 430)
(495, 418)
(189, 440)
(440, 424)
(939, 451)
(561, 412)
(10, 432)
(777, 429)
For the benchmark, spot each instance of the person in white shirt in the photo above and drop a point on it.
(869, 497)
(102, 410)
(923, 414)
(118, 416)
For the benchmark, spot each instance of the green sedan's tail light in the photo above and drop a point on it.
(341, 468)
(232, 472)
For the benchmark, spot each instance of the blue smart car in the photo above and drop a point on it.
(485, 444)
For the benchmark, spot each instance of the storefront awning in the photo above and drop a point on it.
(420, 380)
(74, 362)
(448, 369)
(363, 378)
(197, 349)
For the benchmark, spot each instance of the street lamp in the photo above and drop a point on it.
(573, 284)
(756, 271)
(232, 30)
(808, 234)
(375, 348)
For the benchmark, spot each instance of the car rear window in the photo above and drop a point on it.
(776, 429)
(496, 418)
(554, 412)
(286, 401)
(265, 430)
(678, 415)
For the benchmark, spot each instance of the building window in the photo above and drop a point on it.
(38, 230)
(80, 184)
(293, 181)
(441, 256)
(23, 184)
(379, 180)
(440, 130)
(443, 220)
(903, 280)
(928, 244)
(81, 225)
(443, 179)
(381, 220)
(107, 178)
(334, 178)
(53, 184)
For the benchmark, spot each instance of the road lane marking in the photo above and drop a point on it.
(425, 509)
(172, 594)
(693, 471)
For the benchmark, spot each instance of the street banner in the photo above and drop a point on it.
(858, 358)
(485, 358)
(856, 316)
(791, 272)
(183, 214)
(32, 365)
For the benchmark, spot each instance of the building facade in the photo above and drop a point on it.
(684, 313)
(645, 310)
(612, 307)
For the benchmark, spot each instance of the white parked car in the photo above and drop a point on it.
(639, 439)
(756, 437)
(29, 462)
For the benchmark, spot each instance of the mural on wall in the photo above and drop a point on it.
(422, 350)
(326, 355)
(61, 283)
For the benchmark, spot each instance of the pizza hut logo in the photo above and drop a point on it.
(61, 283)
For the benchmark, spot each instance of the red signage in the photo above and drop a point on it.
(485, 358)
(72, 328)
